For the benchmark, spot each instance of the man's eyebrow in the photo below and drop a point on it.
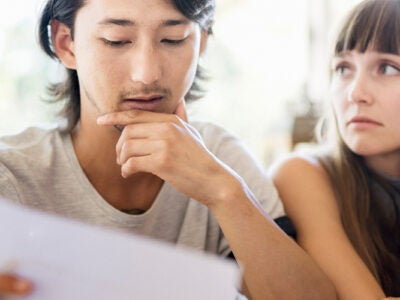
(128, 22)
(119, 22)
(175, 22)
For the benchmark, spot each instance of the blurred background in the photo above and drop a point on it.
(267, 63)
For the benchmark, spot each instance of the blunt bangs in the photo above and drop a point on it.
(373, 25)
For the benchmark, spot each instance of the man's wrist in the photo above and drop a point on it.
(229, 194)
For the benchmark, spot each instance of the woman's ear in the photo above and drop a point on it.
(203, 41)
(63, 44)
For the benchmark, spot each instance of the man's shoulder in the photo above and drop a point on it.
(28, 137)
(203, 127)
(28, 159)
(31, 143)
(213, 135)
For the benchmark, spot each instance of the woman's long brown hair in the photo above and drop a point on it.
(372, 25)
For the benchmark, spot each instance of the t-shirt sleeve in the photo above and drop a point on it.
(8, 190)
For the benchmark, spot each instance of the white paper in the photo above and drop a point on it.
(68, 260)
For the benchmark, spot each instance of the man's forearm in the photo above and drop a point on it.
(274, 266)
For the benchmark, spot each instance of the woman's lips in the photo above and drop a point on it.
(361, 122)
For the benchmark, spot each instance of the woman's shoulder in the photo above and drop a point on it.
(298, 165)
(307, 195)
(303, 184)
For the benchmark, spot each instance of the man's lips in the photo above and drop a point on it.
(151, 97)
(143, 102)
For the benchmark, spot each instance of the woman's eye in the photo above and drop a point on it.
(341, 70)
(389, 69)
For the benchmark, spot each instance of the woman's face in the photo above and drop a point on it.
(366, 102)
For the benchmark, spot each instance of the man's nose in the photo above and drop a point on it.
(145, 65)
(360, 89)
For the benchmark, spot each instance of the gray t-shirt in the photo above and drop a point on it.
(39, 168)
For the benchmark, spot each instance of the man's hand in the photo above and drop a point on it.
(14, 285)
(170, 148)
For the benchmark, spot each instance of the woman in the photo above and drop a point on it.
(345, 201)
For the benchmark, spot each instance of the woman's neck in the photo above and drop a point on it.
(386, 164)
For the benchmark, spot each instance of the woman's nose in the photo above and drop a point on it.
(359, 89)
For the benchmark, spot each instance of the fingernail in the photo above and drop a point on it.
(119, 127)
(21, 285)
(123, 172)
(100, 120)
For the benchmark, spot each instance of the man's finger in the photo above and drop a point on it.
(133, 116)
(11, 284)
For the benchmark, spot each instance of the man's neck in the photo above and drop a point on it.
(95, 149)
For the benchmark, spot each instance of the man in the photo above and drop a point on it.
(129, 159)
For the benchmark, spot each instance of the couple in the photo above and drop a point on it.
(128, 158)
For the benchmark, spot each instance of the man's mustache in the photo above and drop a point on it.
(145, 90)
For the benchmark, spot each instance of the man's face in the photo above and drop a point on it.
(134, 54)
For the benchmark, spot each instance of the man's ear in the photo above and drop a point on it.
(203, 41)
(63, 44)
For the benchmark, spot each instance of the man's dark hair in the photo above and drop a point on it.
(65, 11)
